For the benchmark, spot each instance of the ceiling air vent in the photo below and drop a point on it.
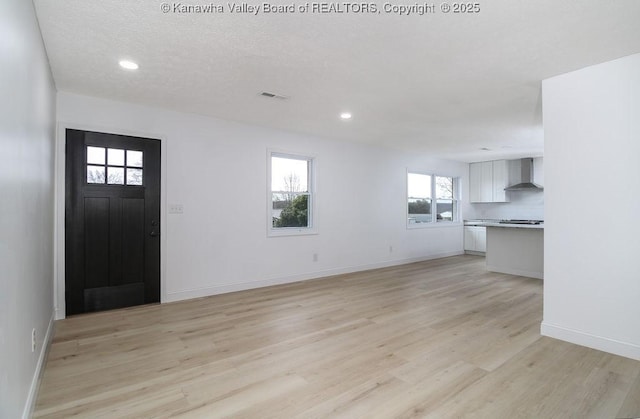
(273, 95)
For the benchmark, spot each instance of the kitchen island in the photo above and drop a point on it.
(515, 249)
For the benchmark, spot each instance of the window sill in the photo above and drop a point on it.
(291, 231)
(419, 226)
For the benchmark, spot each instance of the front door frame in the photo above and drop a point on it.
(59, 211)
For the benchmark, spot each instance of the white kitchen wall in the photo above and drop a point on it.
(592, 238)
(217, 170)
(27, 121)
(522, 205)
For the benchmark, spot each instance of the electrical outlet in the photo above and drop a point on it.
(33, 340)
(390, 249)
(315, 257)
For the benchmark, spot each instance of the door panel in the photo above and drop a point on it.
(111, 297)
(132, 240)
(112, 221)
(96, 242)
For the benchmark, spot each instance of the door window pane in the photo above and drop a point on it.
(95, 155)
(115, 175)
(95, 174)
(115, 157)
(134, 176)
(134, 158)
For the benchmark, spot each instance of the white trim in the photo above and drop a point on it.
(227, 288)
(600, 343)
(519, 272)
(475, 253)
(37, 374)
(291, 231)
(59, 206)
(419, 226)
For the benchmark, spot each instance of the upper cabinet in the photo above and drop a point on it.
(481, 182)
(500, 180)
(487, 181)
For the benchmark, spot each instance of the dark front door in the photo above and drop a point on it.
(112, 221)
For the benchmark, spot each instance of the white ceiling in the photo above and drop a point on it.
(446, 84)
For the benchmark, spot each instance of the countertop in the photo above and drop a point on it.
(497, 223)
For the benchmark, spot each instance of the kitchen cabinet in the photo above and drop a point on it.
(481, 182)
(500, 180)
(475, 239)
(487, 181)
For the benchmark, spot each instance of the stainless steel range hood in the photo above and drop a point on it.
(526, 181)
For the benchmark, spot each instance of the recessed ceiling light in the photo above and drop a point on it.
(129, 65)
(345, 115)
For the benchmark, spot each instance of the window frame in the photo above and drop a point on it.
(310, 193)
(125, 166)
(434, 222)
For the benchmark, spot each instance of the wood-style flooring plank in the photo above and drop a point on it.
(437, 339)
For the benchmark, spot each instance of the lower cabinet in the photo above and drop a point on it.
(475, 239)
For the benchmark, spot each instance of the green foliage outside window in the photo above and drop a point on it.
(421, 206)
(295, 214)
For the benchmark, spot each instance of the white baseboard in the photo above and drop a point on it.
(519, 272)
(37, 374)
(600, 343)
(474, 253)
(226, 288)
(59, 313)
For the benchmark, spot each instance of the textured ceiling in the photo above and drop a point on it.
(447, 84)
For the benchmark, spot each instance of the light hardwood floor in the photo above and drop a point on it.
(437, 339)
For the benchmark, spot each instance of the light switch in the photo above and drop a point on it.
(176, 208)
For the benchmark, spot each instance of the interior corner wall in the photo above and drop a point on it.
(217, 171)
(27, 133)
(592, 238)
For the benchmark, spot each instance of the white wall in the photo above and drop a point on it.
(522, 205)
(27, 120)
(592, 235)
(217, 170)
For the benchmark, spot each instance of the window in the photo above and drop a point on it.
(419, 198)
(114, 166)
(290, 194)
(431, 199)
(445, 202)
